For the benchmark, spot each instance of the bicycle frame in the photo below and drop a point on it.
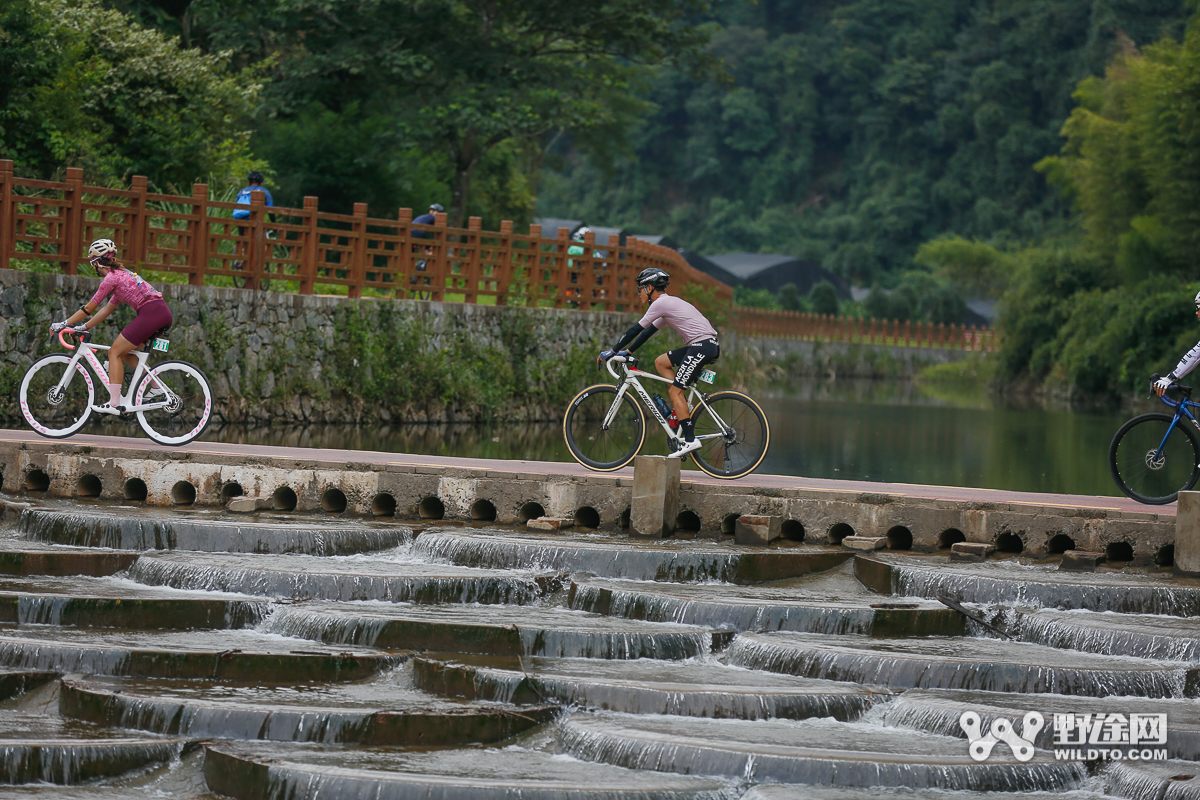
(1182, 408)
(86, 351)
(632, 379)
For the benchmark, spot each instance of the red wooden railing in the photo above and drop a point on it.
(828, 328)
(311, 251)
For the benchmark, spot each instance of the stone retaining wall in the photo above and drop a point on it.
(296, 359)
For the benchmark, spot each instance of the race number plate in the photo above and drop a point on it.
(708, 376)
(161, 344)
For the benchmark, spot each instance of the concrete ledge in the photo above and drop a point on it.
(864, 544)
(971, 551)
(811, 516)
(1079, 561)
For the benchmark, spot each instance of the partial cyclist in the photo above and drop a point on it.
(1186, 364)
(682, 365)
(153, 315)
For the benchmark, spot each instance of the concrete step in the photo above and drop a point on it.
(1154, 780)
(136, 530)
(939, 710)
(694, 689)
(1014, 582)
(621, 557)
(236, 656)
(245, 771)
(495, 630)
(962, 663)
(36, 749)
(810, 751)
(15, 682)
(110, 603)
(792, 606)
(353, 578)
(379, 712)
(1140, 635)
(34, 558)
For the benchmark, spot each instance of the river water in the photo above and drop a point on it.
(887, 431)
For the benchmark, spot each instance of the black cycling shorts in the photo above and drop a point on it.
(688, 361)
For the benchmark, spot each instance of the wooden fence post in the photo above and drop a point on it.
(308, 247)
(8, 213)
(358, 251)
(137, 246)
(474, 272)
(504, 266)
(407, 262)
(198, 229)
(440, 262)
(72, 223)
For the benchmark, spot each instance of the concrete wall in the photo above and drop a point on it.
(460, 492)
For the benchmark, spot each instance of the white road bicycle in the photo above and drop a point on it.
(605, 427)
(58, 394)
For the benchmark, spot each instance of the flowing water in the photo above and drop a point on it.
(363, 661)
(885, 431)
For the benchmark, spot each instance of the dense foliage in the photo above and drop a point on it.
(81, 85)
(1103, 310)
(856, 130)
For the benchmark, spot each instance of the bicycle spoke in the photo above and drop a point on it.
(734, 433)
(593, 442)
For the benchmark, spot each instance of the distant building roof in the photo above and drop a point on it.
(709, 268)
(550, 226)
(665, 241)
(607, 235)
(773, 271)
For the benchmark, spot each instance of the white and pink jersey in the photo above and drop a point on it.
(681, 316)
(125, 287)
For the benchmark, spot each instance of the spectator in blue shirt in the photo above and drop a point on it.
(428, 218)
(255, 181)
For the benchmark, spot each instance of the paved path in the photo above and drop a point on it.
(955, 493)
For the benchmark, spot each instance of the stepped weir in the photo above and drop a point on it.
(309, 646)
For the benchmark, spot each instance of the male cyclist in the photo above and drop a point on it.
(682, 365)
(1186, 364)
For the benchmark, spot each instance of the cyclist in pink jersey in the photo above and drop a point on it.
(153, 315)
(683, 364)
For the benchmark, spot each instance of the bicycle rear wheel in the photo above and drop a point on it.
(1150, 466)
(53, 413)
(598, 446)
(187, 411)
(734, 433)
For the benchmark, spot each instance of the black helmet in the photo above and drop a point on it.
(254, 177)
(653, 276)
(437, 208)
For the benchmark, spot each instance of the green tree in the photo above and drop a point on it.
(460, 78)
(823, 298)
(1132, 159)
(86, 86)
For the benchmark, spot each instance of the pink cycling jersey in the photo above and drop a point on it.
(681, 315)
(125, 287)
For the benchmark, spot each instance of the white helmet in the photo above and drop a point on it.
(1198, 300)
(101, 250)
(579, 234)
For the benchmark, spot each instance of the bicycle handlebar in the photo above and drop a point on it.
(608, 365)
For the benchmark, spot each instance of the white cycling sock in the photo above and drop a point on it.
(114, 394)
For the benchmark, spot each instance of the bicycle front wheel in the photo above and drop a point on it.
(53, 412)
(1151, 466)
(184, 413)
(734, 434)
(598, 446)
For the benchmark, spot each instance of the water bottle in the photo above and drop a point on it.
(663, 408)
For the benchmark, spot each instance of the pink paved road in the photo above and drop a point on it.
(955, 493)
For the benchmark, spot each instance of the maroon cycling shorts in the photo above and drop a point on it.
(151, 317)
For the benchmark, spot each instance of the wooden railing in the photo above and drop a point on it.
(828, 328)
(310, 251)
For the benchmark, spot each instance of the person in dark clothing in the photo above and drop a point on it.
(428, 218)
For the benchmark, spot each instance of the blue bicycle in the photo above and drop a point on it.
(1154, 457)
